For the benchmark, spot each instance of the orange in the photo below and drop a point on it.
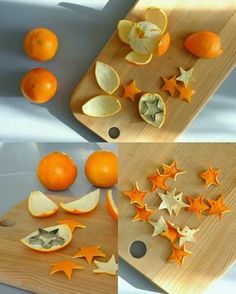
(40, 44)
(163, 45)
(101, 169)
(204, 44)
(38, 85)
(57, 171)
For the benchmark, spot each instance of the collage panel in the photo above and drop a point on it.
(58, 231)
(177, 217)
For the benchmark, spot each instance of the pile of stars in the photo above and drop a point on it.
(173, 202)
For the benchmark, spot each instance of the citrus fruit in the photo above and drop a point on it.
(163, 45)
(144, 37)
(101, 106)
(84, 204)
(137, 58)
(101, 169)
(41, 44)
(124, 27)
(50, 239)
(38, 85)
(111, 206)
(204, 44)
(57, 171)
(39, 205)
(107, 78)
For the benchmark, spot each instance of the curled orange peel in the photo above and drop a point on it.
(210, 176)
(178, 254)
(67, 266)
(171, 233)
(131, 90)
(172, 170)
(218, 207)
(170, 85)
(136, 196)
(197, 205)
(89, 253)
(185, 93)
(158, 181)
(143, 214)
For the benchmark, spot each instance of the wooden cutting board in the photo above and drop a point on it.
(185, 17)
(29, 270)
(215, 250)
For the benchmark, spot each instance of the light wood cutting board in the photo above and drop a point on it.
(185, 17)
(26, 269)
(215, 250)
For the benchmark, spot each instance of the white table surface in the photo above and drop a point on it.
(83, 27)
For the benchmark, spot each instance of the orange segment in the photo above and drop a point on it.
(163, 45)
(131, 90)
(111, 206)
(67, 266)
(89, 253)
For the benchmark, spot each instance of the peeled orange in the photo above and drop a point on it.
(101, 169)
(39, 85)
(204, 44)
(57, 171)
(41, 44)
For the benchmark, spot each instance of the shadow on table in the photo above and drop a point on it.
(76, 52)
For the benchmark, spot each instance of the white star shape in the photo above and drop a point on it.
(159, 226)
(186, 76)
(168, 201)
(110, 267)
(187, 235)
(180, 204)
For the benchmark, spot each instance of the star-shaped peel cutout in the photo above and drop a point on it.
(178, 254)
(67, 266)
(73, 224)
(180, 204)
(131, 90)
(152, 109)
(210, 176)
(197, 205)
(170, 85)
(143, 214)
(172, 170)
(185, 93)
(136, 196)
(171, 233)
(159, 226)
(89, 253)
(159, 181)
(187, 235)
(186, 76)
(218, 207)
(110, 267)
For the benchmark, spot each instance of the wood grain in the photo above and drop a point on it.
(185, 17)
(29, 270)
(215, 250)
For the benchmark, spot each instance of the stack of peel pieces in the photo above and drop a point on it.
(146, 38)
(180, 84)
(174, 203)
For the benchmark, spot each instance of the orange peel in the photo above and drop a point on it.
(143, 214)
(170, 85)
(158, 181)
(131, 90)
(172, 170)
(210, 176)
(178, 254)
(185, 93)
(110, 267)
(158, 17)
(72, 224)
(89, 253)
(163, 46)
(111, 205)
(171, 233)
(136, 196)
(66, 266)
(218, 207)
(197, 205)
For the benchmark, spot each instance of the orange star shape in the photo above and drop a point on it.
(89, 253)
(159, 181)
(172, 170)
(143, 214)
(136, 196)
(131, 90)
(67, 266)
(170, 85)
(178, 254)
(186, 93)
(217, 207)
(197, 205)
(211, 176)
(171, 233)
(73, 224)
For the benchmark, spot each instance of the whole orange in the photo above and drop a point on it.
(41, 44)
(38, 85)
(101, 169)
(57, 171)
